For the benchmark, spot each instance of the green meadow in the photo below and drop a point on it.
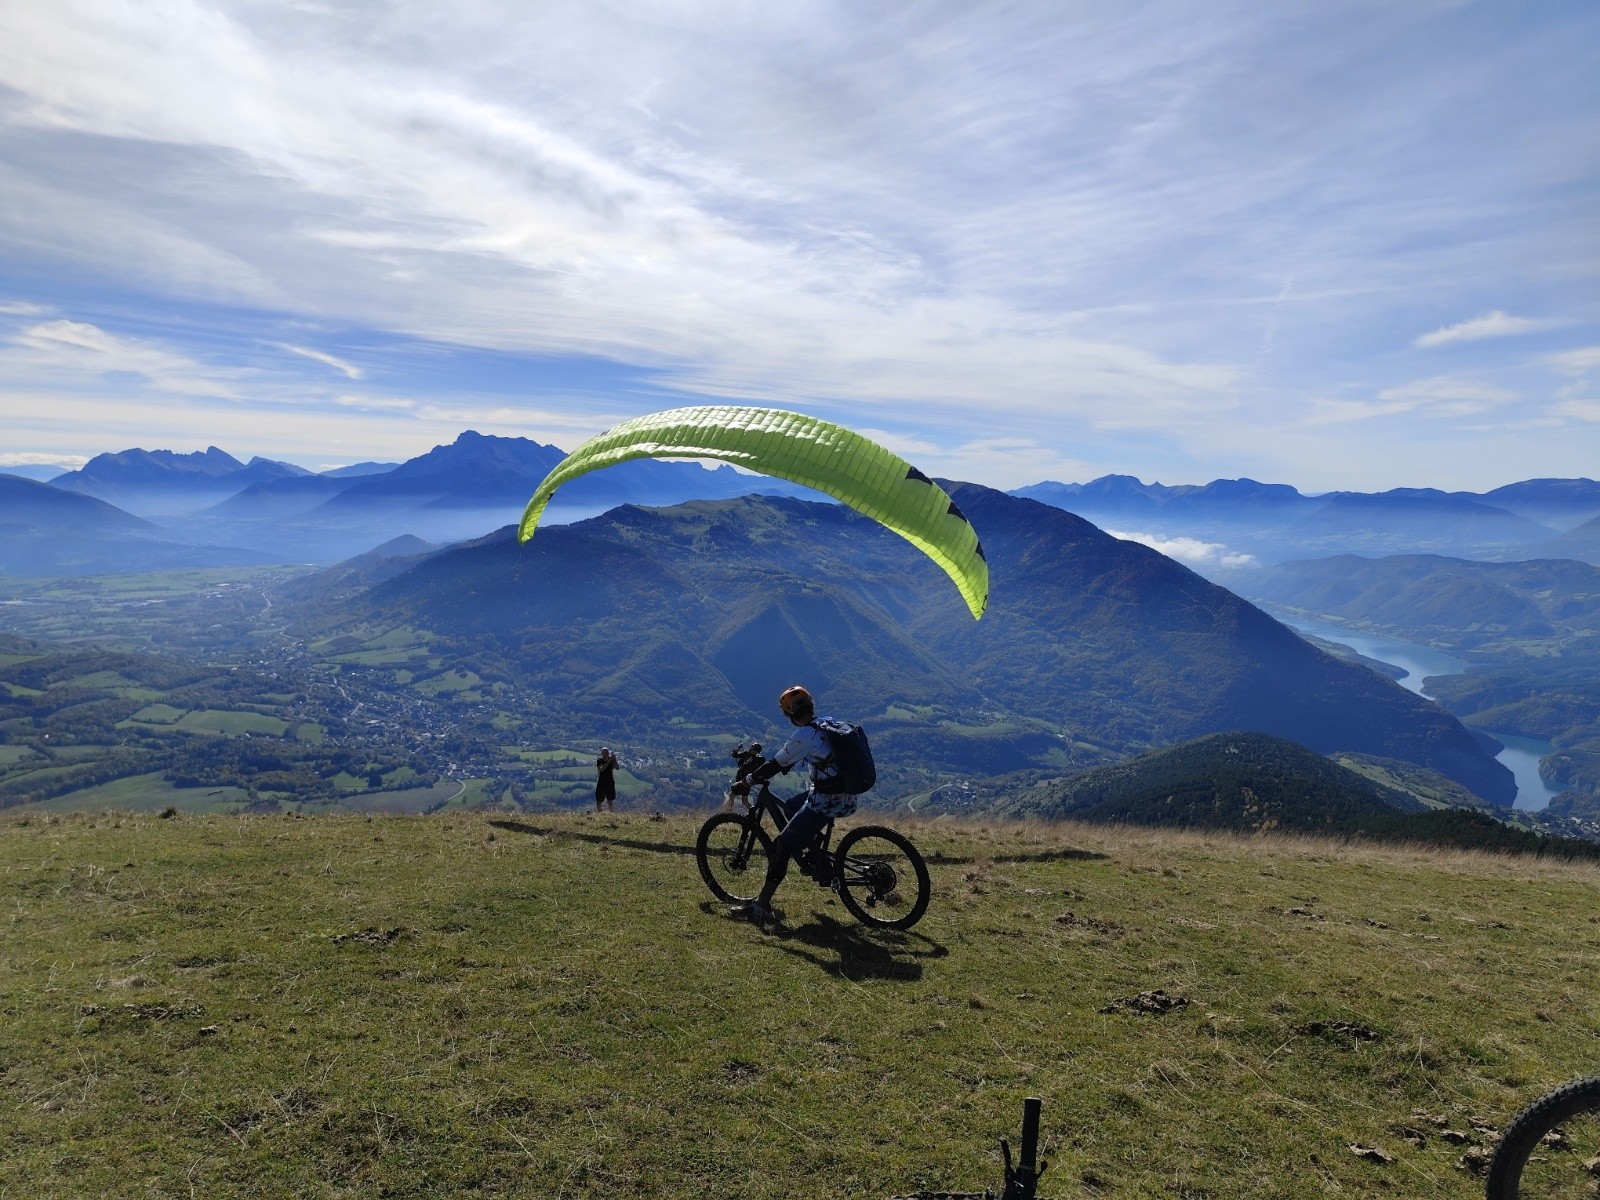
(475, 1004)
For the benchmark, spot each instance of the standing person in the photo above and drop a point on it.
(605, 784)
(808, 812)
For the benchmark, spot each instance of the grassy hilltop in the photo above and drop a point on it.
(474, 1005)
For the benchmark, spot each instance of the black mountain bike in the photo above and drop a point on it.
(1551, 1149)
(878, 873)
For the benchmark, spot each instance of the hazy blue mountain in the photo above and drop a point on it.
(1561, 504)
(163, 483)
(1275, 522)
(461, 490)
(37, 474)
(1451, 602)
(46, 531)
(481, 471)
(1093, 648)
(1417, 518)
(1580, 543)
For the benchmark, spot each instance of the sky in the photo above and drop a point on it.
(1341, 245)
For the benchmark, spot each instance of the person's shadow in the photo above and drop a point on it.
(849, 951)
(661, 846)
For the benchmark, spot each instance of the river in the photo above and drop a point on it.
(1521, 754)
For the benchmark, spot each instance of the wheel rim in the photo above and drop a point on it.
(736, 859)
(880, 877)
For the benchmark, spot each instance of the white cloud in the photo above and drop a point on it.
(67, 462)
(1490, 325)
(1580, 409)
(77, 352)
(349, 370)
(1188, 550)
(22, 308)
(1439, 397)
(376, 403)
(1068, 225)
(1576, 362)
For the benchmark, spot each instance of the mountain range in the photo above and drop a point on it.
(1274, 522)
(1093, 648)
(281, 512)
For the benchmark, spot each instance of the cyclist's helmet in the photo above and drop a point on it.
(797, 704)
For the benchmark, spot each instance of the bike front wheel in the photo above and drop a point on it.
(734, 854)
(881, 878)
(1551, 1149)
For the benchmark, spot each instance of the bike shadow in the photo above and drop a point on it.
(849, 951)
(658, 847)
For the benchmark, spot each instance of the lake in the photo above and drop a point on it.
(1521, 755)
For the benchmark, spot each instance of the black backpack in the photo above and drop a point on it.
(851, 756)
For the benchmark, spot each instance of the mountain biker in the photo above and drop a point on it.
(805, 814)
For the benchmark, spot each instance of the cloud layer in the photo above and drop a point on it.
(1181, 240)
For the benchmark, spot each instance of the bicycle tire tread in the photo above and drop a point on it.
(1528, 1127)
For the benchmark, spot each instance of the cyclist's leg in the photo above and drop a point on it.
(796, 836)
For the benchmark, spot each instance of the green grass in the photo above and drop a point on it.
(214, 720)
(136, 793)
(551, 1006)
(456, 680)
(155, 714)
(11, 755)
(308, 731)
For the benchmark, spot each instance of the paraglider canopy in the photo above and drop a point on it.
(802, 449)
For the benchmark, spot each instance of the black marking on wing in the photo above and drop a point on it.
(913, 473)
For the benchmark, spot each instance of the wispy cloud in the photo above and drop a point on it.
(76, 351)
(1442, 396)
(1491, 325)
(1576, 362)
(22, 308)
(348, 370)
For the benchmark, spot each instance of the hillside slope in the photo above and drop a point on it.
(493, 1006)
(1092, 648)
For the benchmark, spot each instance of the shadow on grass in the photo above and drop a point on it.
(658, 847)
(849, 951)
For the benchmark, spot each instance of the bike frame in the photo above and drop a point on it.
(767, 804)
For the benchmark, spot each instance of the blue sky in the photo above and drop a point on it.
(1343, 245)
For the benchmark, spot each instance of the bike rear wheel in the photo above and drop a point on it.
(1551, 1149)
(734, 854)
(881, 878)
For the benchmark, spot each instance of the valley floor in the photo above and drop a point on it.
(467, 1004)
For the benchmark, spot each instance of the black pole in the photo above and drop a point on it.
(1022, 1181)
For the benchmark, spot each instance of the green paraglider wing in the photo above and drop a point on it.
(804, 450)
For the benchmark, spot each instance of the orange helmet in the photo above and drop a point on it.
(797, 704)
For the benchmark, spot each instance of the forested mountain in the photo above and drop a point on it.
(1254, 782)
(1093, 648)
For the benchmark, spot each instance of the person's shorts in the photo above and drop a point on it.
(808, 819)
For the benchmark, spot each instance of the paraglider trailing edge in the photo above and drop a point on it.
(803, 449)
